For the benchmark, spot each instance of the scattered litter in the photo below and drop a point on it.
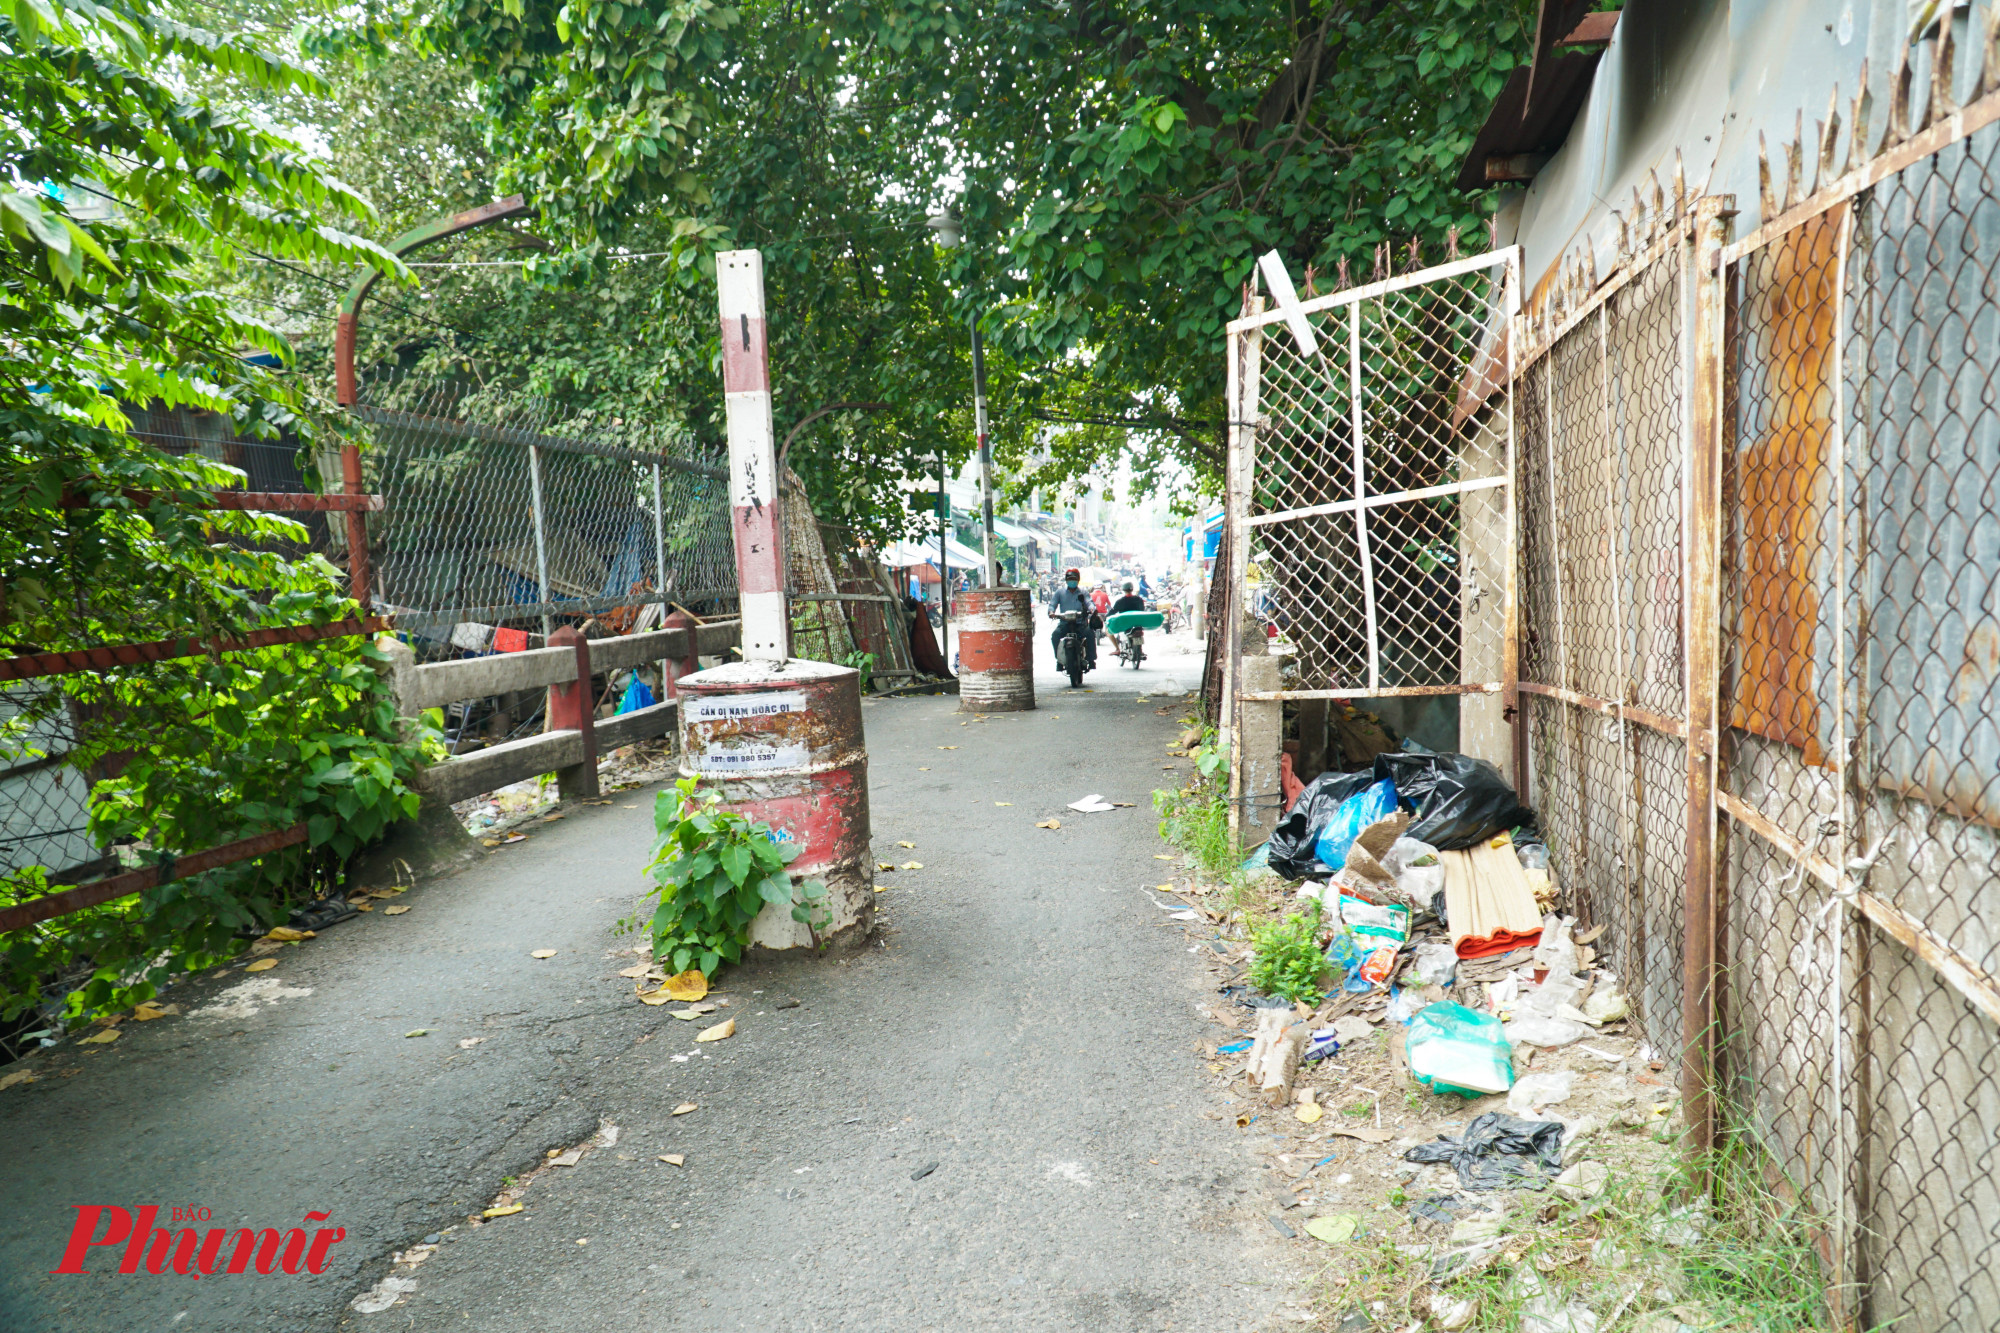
(1435, 962)
(392, 1289)
(1534, 1091)
(923, 1170)
(721, 1030)
(1498, 1151)
(910, 845)
(570, 1158)
(1233, 1048)
(1452, 1313)
(674, 1159)
(467, 1043)
(1185, 916)
(1049, 823)
(1334, 1228)
(1459, 801)
(504, 1210)
(1440, 1208)
(1488, 901)
(1404, 1005)
(1365, 1135)
(418, 1032)
(1091, 804)
(1585, 1180)
(542, 953)
(1602, 1055)
(1455, 1049)
(1284, 1229)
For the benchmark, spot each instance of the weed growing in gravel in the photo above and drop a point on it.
(1287, 959)
(1739, 1257)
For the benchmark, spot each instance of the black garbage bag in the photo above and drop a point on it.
(1294, 842)
(1499, 1152)
(1458, 801)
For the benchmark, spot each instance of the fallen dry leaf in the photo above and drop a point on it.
(467, 1043)
(923, 768)
(262, 965)
(363, 907)
(910, 845)
(394, 911)
(684, 1108)
(913, 865)
(284, 933)
(147, 1012)
(688, 985)
(1310, 1113)
(100, 1039)
(636, 970)
(18, 1076)
(885, 865)
(726, 1028)
(1365, 1135)
(654, 996)
(947, 747)
(570, 1158)
(543, 953)
(1163, 888)
(418, 1032)
(1161, 856)
(489, 842)
(1003, 803)
(1049, 823)
(505, 1210)
(670, 1158)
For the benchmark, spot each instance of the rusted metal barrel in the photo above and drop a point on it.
(996, 660)
(782, 742)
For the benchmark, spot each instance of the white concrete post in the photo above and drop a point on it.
(753, 465)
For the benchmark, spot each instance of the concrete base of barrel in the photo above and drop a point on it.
(850, 898)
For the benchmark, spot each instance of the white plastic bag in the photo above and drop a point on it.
(1436, 962)
(1533, 1091)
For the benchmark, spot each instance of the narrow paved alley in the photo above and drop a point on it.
(991, 1117)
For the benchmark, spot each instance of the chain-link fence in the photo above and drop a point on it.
(502, 513)
(1372, 504)
(1851, 547)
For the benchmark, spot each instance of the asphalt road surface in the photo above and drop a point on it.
(993, 1117)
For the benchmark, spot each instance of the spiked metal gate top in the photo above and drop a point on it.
(1369, 473)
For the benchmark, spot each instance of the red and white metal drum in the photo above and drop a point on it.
(996, 660)
(782, 742)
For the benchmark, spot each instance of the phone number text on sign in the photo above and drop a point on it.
(743, 707)
(749, 759)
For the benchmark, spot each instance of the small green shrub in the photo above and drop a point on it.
(865, 664)
(1288, 961)
(714, 870)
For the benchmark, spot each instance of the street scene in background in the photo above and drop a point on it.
(901, 668)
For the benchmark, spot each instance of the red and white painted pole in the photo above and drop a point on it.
(753, 465)
(779, 738)
(996, 664)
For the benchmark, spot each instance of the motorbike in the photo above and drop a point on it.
(1131, 646)
(1072, 647)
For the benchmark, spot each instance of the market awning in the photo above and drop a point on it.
(900, 555)
(1014, 532)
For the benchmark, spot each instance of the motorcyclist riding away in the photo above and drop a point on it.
(1071, 597)
(1131, 601)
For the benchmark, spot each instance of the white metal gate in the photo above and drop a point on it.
(1370, 507)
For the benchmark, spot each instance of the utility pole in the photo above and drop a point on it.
(985, 450)
(753, 467)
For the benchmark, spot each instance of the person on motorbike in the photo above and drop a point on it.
(1131, 601)
(1071, 597)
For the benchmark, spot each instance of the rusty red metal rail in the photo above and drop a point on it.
(137, 881)
(272, 502)
(32, 665)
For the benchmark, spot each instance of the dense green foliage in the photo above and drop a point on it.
(1287, 960)
(1117, 168)
(715, 870)
(145, 192)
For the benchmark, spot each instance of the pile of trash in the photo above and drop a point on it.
(1439, 912)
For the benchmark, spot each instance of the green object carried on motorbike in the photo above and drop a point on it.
(1125, 620)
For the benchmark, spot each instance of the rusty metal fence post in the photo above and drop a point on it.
(1701, 509)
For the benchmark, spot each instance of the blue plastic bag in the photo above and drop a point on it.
(1356, 813)
(637, 696)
